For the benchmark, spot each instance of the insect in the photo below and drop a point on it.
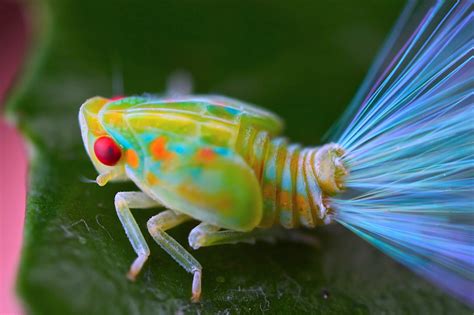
(208, 158)
(399, 171)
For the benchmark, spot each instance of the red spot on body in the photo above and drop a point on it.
(206, 154)
(158, 149)
(116, 98)
(107, 151)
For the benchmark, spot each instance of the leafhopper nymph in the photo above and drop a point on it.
(400, 176)
(206, 158)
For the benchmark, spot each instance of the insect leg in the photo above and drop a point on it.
(138, 200)
(206, 234)
(157, 226)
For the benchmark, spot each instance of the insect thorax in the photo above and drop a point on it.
(290, 178)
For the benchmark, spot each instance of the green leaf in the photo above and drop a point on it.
(302, 61)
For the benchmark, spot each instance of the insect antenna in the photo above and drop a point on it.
(86, 180)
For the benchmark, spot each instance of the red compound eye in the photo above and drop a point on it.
(107, 151)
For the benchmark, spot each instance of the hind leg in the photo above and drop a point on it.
(206, 234)
(209, 235)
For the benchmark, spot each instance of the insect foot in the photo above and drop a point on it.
(199, 235)
(136, 267)
(196, 287)
(195, 239)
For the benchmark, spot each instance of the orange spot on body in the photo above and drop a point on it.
(304, 208)
(221, 204)
(269, 191)
(285, 200)
(132, 158)
(206, 154)
(152, 179)
(158, 149)
(301, 202)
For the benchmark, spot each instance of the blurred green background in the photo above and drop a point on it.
(302, 59)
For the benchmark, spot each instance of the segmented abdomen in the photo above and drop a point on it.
(291, 194)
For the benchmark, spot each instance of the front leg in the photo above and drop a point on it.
(157, 226)
(138, 200)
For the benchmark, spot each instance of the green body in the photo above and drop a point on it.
(214, 159)
(207, 158)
